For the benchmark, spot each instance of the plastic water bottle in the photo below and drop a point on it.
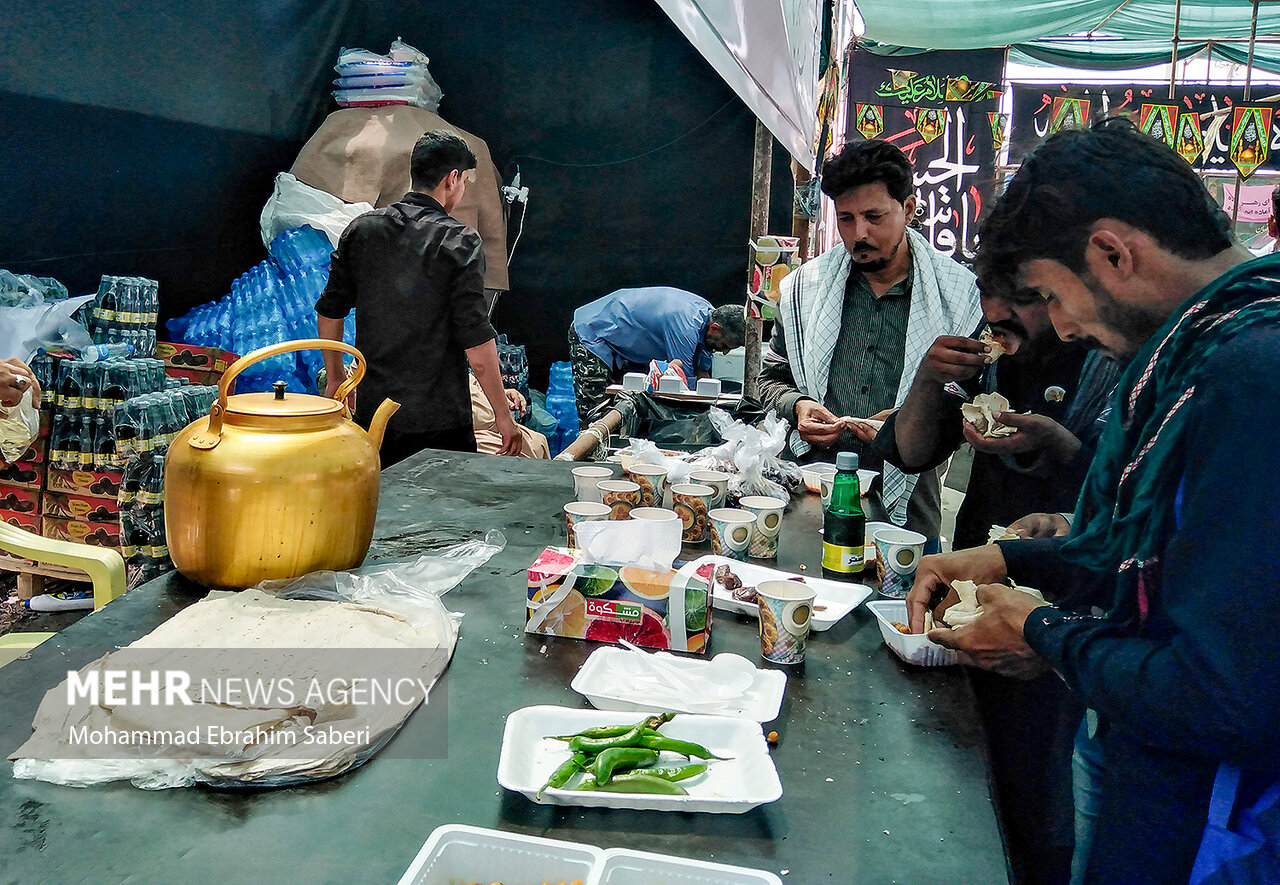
(98, 352)
(563, 406)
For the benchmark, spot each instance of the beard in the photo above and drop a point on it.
(1134, 324)
(875, 264)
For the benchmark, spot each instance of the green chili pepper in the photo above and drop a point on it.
(618, 758)
(561, 775)
(637, 782)
(680, 773)
(671, 745)
(607, 731)
(630, 738)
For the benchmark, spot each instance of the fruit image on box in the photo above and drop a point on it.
(99, 534)
(20, 500)
(28, 521)
(656, 609)
(22, 474)
(91, 483)
(66, 506)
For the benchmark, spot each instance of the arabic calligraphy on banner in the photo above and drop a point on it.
(1210, 127)
(911, 88)
(943, 113)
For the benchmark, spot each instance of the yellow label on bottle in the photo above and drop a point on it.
(846, 560)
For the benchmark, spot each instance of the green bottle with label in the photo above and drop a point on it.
(844, 525)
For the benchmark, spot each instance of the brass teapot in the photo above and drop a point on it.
(273, 485)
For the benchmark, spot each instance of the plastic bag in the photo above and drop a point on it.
(425, 636)
(19, 427)
(754, 452)
(294, 204)
(409, 589)
(24, 330)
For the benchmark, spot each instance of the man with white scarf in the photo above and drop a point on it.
(855, 323)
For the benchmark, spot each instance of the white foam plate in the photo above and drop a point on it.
(737, 784)
(598, 680)
(838, 598)
(812, 474)
(455, 854)
(914, 648)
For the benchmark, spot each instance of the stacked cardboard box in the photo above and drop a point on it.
(22, 482)
(199, 365)
(82, 505)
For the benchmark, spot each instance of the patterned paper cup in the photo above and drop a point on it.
(586, 482)
(717, 479)
(731, 532)
(578, 512)
(898, 552)
(652, 480)
(620, 495)
(693, 502)
(654, 514)
(768, 513)
(786, 608)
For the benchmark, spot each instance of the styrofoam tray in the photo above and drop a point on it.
(737, 784)
(914, 648)
(599, 682)
(812, 474)
(837, 598)
(455, 854)
(623, 867)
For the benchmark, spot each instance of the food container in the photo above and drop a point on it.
(744, 780)
(597, 682)
(914, 648)
(833, 599)
(708, 387)
(455, 854)
(813, 474)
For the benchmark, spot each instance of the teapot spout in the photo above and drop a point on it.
(378, 425)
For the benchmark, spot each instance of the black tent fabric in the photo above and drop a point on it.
(143, 139)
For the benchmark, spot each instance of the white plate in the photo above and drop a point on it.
(598, 681)
(737, 784)
(838, 597)
(914, 648)
(455, 853)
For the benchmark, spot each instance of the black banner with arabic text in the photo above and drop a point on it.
(942, 109)
(1211, 126)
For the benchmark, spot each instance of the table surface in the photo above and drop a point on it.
(882, 769)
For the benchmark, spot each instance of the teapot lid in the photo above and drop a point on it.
(278, 404)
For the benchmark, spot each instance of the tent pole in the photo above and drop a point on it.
(761, 175)
(1248, 78)
(1108, 18)
(1173, 62)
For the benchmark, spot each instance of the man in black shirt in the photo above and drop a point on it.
(415, 276)
(1056, 391)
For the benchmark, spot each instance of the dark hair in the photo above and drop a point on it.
(1078, 176)
(866, 162)
(732, 322)
(436, 154)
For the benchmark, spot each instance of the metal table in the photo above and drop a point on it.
(881, 764)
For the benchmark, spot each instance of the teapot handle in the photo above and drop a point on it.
(213, 435)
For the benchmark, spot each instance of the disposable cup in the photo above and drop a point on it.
(620, 495)
(731, 532)
(586, 482)
(898, 553)
(577, 512)
(717, 479)
(652, 479)
(768, 513)
(786, 609)
(692, 501)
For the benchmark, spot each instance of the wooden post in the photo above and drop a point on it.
(761, 169)
(800, 224)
